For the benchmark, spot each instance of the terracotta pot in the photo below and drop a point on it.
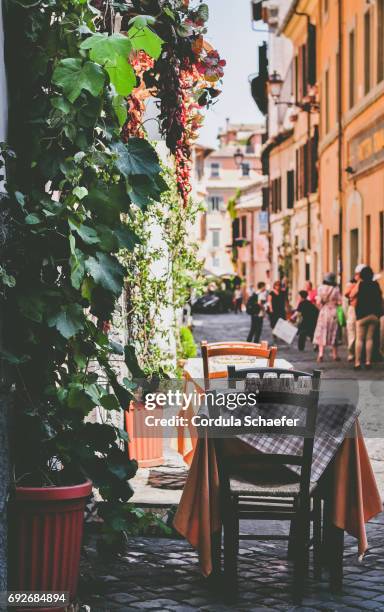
(46, 531)
(148, 451)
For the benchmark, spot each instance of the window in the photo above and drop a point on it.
(245, 168)
(215, 238)
(276, 195)
(243, 226)
(302, 72)
(381, 242)
(302, 172)
(215, 203)
(354, 250)
(314, 178)
(367, 51)
(335, 253)
(250, 148)
(215, 169)
(265, 193)
(380, 40)
(290, 188)
(215, 261)
(326, 100)
(352, 68)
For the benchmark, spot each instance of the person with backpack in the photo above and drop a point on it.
(255, 308)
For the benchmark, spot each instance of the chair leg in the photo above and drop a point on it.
(216, 553)
(230, 553)
(317, 538)
(292, 540)
(336, 560)
(301, 553)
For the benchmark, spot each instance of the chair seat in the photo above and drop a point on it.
(265, 488)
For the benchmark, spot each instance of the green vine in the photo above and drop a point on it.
(72, 189)
(149, 294)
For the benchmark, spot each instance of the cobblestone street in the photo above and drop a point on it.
(163, 574)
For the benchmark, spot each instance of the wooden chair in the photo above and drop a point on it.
(275, 497)
(217, 349)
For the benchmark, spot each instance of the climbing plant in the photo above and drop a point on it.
(79, 173)
(165, 244)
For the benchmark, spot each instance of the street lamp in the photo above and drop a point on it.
(239, 158)
(275, 85)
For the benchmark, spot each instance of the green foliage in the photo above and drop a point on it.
(188, 344)
(71, 185)
(149, 295)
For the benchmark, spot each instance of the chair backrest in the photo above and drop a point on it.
(250, 349)
(302, 392)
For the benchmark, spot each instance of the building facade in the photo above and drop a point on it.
(290, 153)
(250, 235)
(324, 155)
(219, 177)
(351, 59)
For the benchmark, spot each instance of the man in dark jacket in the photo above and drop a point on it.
(308, 314)
(255, 309)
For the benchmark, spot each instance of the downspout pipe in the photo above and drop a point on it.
(309, 150)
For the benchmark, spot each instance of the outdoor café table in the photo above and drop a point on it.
(193, 375)
(352, 502)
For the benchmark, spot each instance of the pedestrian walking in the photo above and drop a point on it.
(277, 301)
(369, 309)
(312, 293)
(308, 314)
(328, 299)
(350, 294)
(256, 310)
(238, 299)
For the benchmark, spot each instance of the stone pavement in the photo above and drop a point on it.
(162, 574)
(215, 328)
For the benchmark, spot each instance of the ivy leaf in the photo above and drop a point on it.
(32, 308)
(143, 38)
(108, 202)
(103, 47)
(110, 402)
(68, 320)
(137, 156)
(32, 219)
(131, 362)
(80, 399)
(142, 20)
(112, 52)
(106, 271)
(119, 105)
(73, 76)
(61, 104)
(203, 12)
(122, 76)
(80, 192)
(127, 238)
(76, 262)
(87, 234)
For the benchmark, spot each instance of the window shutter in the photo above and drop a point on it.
(312, 54)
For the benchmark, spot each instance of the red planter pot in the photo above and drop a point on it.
(45, 538)
(147, 450)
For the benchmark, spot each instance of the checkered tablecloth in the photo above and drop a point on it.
(335, 420)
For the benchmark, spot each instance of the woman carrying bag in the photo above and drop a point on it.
(328, 299)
